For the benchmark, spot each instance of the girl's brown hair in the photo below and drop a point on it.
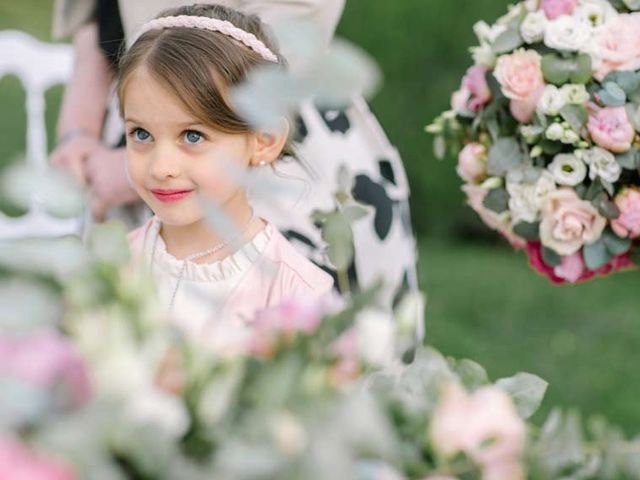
(200, 66)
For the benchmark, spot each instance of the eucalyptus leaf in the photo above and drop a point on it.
(575, 115)
(628, 81)
(497, 200)
(562, 439)
(616, 245)
(606, 207)
(507, 41)
(632, 4)
(596, 255)
(528, 231)
(582, 69)
(556, 70)
(629, 159)
(612, 95)
(504, 155)
(527, 391)
(633, 114)
(472, 374)
(550, 257)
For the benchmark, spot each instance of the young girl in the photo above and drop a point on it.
(182, 134)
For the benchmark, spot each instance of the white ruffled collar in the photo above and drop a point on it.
(240, 261)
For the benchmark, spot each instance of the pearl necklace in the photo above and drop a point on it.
(195, 256)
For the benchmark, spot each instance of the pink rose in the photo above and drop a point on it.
(17, 462)
(568, 222)
(616, 45)
(283, 323)
(48, 361)
(571, 268)
(474, 92)
(475, 197)
(555, 8)
(485, 425)
(472, 162)
(610, 128)
(628, 223)
(521, 79)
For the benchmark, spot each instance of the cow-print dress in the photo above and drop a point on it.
(384, 243)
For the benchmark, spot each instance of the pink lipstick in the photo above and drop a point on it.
(169, 196)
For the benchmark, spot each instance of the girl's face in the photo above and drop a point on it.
(172, 157)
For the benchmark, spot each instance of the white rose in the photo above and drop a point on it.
(602, 163)
(555, 131)
(567, 33)
(576, 94)
(527, 199)
(376, 335)
(567, 169)
(594, 12)
(551, 101)
(488, 33)
(533, 26)
(483, 55)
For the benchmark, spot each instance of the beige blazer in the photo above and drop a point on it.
(69, 15)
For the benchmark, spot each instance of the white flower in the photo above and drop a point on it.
(594, 12)
(289, 433)
(555, 131)
(533, 26)
(602, 163)
(567, 169)
(488, 33)
(569, 137)
(551, 101)
(527, 199)
(155, 407)
(576, 94)
(376, 334)
(483, 55)
(567, 33)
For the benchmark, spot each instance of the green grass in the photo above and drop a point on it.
(485, 303)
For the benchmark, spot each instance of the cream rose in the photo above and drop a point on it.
(532, 27)
(568, 222)
(527, 199)
(616, 45)
(521, 80)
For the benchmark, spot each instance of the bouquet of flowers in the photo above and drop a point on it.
(545, 127)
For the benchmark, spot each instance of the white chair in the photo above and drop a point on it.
(39, 66)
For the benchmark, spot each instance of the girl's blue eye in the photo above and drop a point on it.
(192, 137)
(141, 135)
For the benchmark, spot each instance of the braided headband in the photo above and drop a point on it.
(214, 25)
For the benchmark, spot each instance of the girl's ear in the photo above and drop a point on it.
(269, 145)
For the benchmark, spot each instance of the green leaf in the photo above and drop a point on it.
(626, 80)
(616, 245)
(472, 374)
(582, 70)
(606, 207)
(356, 212)
(504, 155)
(575, 115)
(612, 95)
(556, 70)
(633, 114)
(528, 231)
(507, 41)
(551, 257)
(561, 439)
(595, 189)
(596, 255)
(527, 391)
(629, 159)
(549, 147)
(632, 4)
(337, 233)
(497, 200)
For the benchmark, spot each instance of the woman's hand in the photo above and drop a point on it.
(107, 179)
(72, 154)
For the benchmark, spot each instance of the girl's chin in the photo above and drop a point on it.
(176, 219)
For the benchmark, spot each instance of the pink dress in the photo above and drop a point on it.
(262, 273)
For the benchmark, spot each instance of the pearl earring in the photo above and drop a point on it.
(262, 163)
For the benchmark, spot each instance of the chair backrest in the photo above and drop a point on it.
(38, 66)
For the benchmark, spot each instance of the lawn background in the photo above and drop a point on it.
(484, 302)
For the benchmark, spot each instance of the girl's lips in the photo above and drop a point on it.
(168, 196)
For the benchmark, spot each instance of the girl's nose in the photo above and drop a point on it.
(164, 163)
